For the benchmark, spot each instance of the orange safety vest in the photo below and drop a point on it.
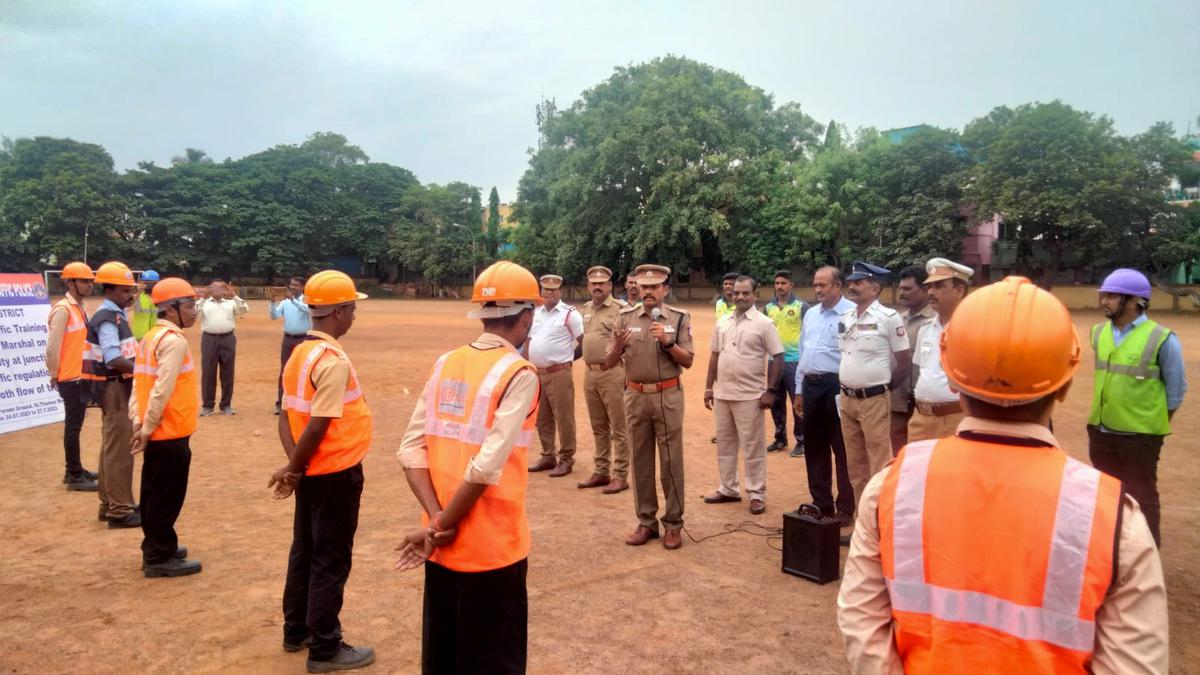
(70, 353)
(996, 557)
(461, 398)
(180, 414)
(348, 437)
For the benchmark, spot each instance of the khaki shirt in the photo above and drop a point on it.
(1131, 624)
(487, 465)
(170, 352)
(330, 377)
(59, 317)
(598, 324)
(912, 325)
(745, 343)
(644, 360)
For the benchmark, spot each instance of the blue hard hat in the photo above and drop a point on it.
(150, 275)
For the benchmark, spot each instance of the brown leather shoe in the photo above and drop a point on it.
(640, 536)
(757, 506)
(617, 485)
(597, 480)
(543, 464)
(719, 497)
(673, 539)
(561, 470)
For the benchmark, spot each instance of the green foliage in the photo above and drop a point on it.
(494, 239)
(433, 233)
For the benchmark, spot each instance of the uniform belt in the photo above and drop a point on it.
(817, 377)
(602, 366)
(939, 409)
(295, 335)
(652, 387)
(218, 334)
(868, 392)
(553, 369)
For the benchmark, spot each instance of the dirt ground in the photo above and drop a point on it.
(75, 600)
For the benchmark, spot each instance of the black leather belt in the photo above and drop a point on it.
(817, 377)
(866, 393)
(296, 335)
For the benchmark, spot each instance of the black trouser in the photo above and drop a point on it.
(823, 445)
(285, 352)
(319, 563)
(783, 403)
(217, 352)
(475, 622)
(165, 467)
(74, 409)
(1133, 459)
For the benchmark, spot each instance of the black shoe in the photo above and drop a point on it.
(206, 411)
(79, 482)
(175, 567)
(844, 540)
(844, 519)
(776, 446)
(277, 409)
(797, 451)
(291, 646)
(346, 658)
(132, 520)
(180, 554)
(228, 410)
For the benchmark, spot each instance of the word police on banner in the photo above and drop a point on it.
(26, 397)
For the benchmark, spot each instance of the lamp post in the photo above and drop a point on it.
(472, 233)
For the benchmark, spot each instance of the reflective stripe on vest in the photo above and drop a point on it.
(1129, 397)
(462, 395)
(179, 415)
(74, 339)
(347, 438)
(1072, 587)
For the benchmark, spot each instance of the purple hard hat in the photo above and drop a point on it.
(1125, 281)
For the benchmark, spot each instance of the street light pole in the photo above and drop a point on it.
(472, 233)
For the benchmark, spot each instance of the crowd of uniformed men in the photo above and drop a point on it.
(969, 403)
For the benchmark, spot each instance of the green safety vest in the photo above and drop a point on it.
(1129, 393)
(145, 315)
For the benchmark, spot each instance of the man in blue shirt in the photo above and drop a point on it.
(297, 321)
(817, 388)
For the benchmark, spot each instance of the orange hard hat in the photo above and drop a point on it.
(507, 287)
(330, 287)
(171, 288)
(78, 270)
(115, 274)
(1010, 343)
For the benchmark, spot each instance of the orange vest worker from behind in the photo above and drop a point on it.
(465, 456)
(325, 430)
(65, 343)
(163, 409)
(993, 550)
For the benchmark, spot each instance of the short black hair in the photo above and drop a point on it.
(730, 276)
(747, 277)
(302, 280)
(786, 274)
(916, 272)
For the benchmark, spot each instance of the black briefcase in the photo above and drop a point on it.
(811, 545)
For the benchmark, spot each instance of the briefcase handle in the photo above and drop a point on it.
(810, 510)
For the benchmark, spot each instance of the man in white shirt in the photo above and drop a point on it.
(553, 346)
(869, 336)
(218, 345)
(938, 410)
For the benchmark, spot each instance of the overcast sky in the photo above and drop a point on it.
(448, 89)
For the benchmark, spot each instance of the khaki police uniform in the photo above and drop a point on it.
(654, 410)
(604, 387)
(867, 343)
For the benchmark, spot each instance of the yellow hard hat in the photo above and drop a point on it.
(78, 270)
(330, 287)
(1010, 343)
(115, 274)
(505, 288)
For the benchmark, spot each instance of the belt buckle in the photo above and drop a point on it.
(648, 388)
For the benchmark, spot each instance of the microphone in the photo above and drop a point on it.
(656, 314)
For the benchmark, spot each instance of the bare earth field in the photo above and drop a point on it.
(75, 600)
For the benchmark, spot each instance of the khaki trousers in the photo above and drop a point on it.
(925, 427)
(867, 431)
(556, 410)
(115, 477)
(657, 420)
(741, 423)
(604, 392)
